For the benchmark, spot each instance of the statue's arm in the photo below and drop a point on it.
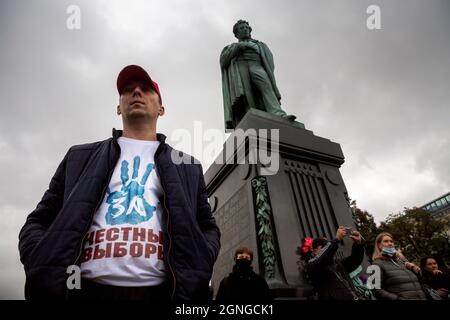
(228, 53)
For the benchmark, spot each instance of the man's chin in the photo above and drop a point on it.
(138, 115)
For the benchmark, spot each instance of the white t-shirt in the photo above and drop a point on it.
(124, 246)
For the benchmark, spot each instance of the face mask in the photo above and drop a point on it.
(388, 252)
(243, 263)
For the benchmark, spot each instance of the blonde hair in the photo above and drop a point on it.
(379, 238)
(377, 252)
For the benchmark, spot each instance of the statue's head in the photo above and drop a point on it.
(242, 30)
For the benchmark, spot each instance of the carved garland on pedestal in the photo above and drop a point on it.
(264, 222)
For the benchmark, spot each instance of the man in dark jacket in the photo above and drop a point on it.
(330, 277)
(243, 284)
(132, 216)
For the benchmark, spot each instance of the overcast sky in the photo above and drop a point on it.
(383, 95)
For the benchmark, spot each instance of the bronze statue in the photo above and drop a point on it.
(248, 80)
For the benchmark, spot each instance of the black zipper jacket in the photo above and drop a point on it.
(51, 239)
(330, 277)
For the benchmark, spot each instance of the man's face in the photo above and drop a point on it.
(139, 100)
(243, 255)
(243, 31)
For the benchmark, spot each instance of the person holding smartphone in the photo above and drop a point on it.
(331, 277)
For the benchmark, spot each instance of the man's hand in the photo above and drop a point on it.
(356, 236)
(412, 267)
(237, 47)
(340, 233)
(242, 45)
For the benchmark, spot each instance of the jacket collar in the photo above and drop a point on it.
(118, 133)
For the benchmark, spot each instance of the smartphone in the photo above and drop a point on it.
(349, 231)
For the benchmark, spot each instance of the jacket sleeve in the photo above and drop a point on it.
(324, 257)
(355, 259)
(221, 293)
(39, 220)
(380, 293)
(206, 221)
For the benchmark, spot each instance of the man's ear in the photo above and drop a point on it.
(118, 110)
(161, 110)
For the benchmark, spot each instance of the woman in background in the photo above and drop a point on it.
(438, 280)
(399, 278)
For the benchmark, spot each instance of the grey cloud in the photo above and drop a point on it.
(383, 95)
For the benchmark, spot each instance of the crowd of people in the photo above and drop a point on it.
(394, 277)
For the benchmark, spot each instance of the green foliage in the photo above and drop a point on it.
(263, 212)
(366, 225)
(418, 233)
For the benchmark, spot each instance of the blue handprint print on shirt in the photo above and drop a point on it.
(129, 205)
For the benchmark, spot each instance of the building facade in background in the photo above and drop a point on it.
(440, 207)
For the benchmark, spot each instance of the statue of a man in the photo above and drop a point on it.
(248, 80)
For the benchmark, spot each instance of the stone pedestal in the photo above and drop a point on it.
(271, 208)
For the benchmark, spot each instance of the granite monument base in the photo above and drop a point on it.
(270, 188)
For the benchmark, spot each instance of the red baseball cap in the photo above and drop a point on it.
(134, 72)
